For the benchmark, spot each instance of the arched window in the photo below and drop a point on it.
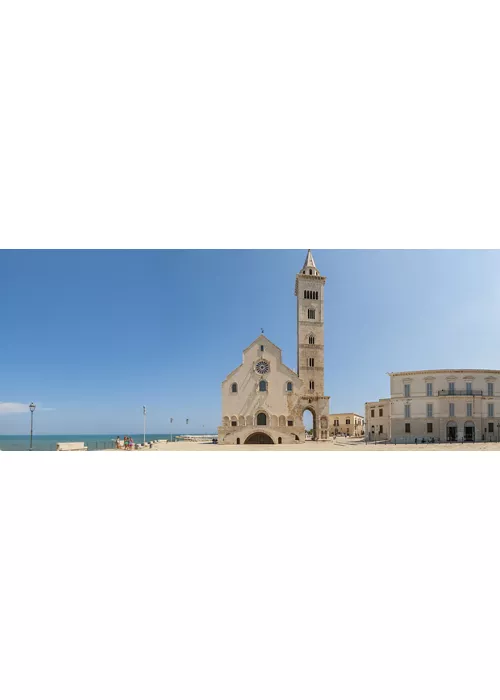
(261, 419)
(263, 385)
(289, 386)
(279, 441)
(311, 313)
(310, 272)
(311, 340)
(234, 388)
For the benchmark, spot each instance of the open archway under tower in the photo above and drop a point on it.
(310, 423)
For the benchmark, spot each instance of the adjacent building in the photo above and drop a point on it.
(351, 424)
(377, 420)
(440, 404)
(263, 400)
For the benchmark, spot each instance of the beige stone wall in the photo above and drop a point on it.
(437, 400)
(378, 419)
(240, 408)
(346, 424)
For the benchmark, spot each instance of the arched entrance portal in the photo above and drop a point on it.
(310, 423)
(469, 431)
(451, 431)
(259, 439)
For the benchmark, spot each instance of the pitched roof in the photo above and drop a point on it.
(309, 260)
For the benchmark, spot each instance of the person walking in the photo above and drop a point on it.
(117, 442)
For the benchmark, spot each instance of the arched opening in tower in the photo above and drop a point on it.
(309, 420)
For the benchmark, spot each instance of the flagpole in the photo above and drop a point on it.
(144, 411)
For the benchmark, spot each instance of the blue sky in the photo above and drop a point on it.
(92, 335)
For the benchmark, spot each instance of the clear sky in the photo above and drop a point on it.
(92, 335)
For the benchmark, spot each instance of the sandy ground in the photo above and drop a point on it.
(311, 446)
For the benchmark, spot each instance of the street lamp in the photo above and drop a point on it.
(32, 409)
(144, 414)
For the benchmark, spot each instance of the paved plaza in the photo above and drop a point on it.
(333, 445)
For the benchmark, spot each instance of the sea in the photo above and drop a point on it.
(42, 443)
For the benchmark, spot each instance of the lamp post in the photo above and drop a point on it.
(144, 414)
(171, 421)
(32, 409)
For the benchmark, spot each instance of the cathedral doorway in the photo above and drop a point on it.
(259, 439)
(309, 420)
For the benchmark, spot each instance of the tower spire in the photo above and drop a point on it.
(309, 260)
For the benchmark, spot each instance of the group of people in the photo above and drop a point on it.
(128, 443)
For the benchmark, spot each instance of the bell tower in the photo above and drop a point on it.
(309, 290)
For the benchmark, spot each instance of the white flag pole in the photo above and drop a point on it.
(144, 412)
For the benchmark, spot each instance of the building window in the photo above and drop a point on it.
(429, 410)
(290, 423)
(311, 386)
(262, 348)
(407, 389)
(237, 441)
(468, 388)
(311, 362)
(311, 313)
(490, 427)
(451, 410)
(348, 421)
(407, 428)
(380, 429)
(380, 412)
(490, 410)
(429, 388)
(289, 386)
(311, 340)
(490, 388)
(407, 411)
(234, 423)
(234, 388)
(263, 385)
(261, 419)
(310, 272)
(429, 427)
(469, 410)
(451, 388)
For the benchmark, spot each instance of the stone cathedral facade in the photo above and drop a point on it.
(263, 400)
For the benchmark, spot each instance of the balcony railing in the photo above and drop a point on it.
(460, 392)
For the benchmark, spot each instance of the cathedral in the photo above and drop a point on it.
(263, 400)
